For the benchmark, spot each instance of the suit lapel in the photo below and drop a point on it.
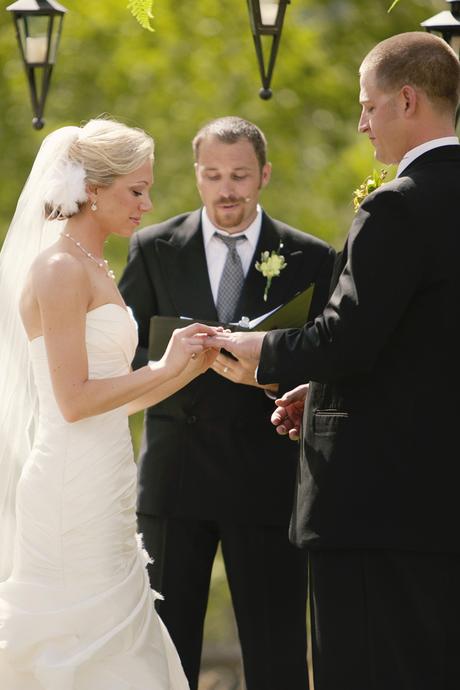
(251, 302)
(185, 270)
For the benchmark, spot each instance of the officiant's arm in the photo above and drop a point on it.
(137, 291)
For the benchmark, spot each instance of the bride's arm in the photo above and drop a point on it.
(63, 293)
(194, 368)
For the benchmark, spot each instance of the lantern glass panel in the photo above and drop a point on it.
(269, 12)
(36, 39)
(38, 30)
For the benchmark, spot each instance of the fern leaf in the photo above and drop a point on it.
(142, 11)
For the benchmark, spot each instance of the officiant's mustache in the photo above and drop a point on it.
(233, 200)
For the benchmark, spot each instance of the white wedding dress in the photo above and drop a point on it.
(77, 613)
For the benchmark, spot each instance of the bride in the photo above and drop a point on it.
(76, 611)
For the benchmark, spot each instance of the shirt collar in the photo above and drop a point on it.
(423, 148)
(252, 232)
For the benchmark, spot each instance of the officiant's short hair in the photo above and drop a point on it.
(420, 60)
(231, 129)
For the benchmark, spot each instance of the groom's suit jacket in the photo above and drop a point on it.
(209, 451)
(380, 464)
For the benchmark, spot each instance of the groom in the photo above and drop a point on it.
(377, 495)
(212, 471)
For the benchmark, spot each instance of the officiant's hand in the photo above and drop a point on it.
(287, 417)
(240, 371)
(244, 346)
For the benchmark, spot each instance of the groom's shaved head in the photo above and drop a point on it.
(420, 60)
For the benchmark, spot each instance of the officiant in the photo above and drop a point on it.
(212, 471)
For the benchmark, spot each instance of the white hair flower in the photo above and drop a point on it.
(67, 188)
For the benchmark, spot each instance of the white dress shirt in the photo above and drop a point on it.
(423, 148)
(216, 251)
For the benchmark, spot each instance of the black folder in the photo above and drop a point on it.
(292, 314)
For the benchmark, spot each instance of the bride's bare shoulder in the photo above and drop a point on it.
(59, 272)
(56, 283)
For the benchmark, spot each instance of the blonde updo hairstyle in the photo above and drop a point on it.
(103, 150)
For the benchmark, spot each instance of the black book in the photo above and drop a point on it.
(292, 314)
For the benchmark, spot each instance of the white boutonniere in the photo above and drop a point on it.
(271, 265)
(370, 184)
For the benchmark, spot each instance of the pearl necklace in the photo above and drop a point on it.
(102, 263)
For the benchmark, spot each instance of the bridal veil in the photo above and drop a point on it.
(29, 233)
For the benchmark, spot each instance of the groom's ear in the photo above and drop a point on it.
(409, 98)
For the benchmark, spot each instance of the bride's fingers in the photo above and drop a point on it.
(195, 346)
(195, 329)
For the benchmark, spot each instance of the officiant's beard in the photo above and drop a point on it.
(234, 217)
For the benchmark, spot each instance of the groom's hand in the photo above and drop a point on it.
(287, 417)
(245, 346)
(240, 371)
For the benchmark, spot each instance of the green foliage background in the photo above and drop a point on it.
(199, 64)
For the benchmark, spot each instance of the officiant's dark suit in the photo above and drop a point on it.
(211, 468)
(377, 495)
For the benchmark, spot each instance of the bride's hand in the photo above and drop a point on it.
(201, 363)
(187, 345)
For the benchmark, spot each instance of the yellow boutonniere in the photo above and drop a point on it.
(369, 185)
(271, 265)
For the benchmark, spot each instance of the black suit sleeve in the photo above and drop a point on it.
(138, 293)
(321, 277)
(322, 281)
(380, 271)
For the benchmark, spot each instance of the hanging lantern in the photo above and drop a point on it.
(447, 25)
(266, 17)
(38, 30)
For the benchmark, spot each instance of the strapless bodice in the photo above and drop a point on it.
(111, 340)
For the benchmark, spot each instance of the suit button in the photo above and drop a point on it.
(192, 419)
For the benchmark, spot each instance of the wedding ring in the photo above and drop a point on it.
(225, 370)
(193, 355)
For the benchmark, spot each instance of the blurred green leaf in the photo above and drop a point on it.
(142, 11)
(393, 4)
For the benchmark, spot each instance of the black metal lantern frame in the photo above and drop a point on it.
(38, 26)
(266, 17)
(447, 24)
